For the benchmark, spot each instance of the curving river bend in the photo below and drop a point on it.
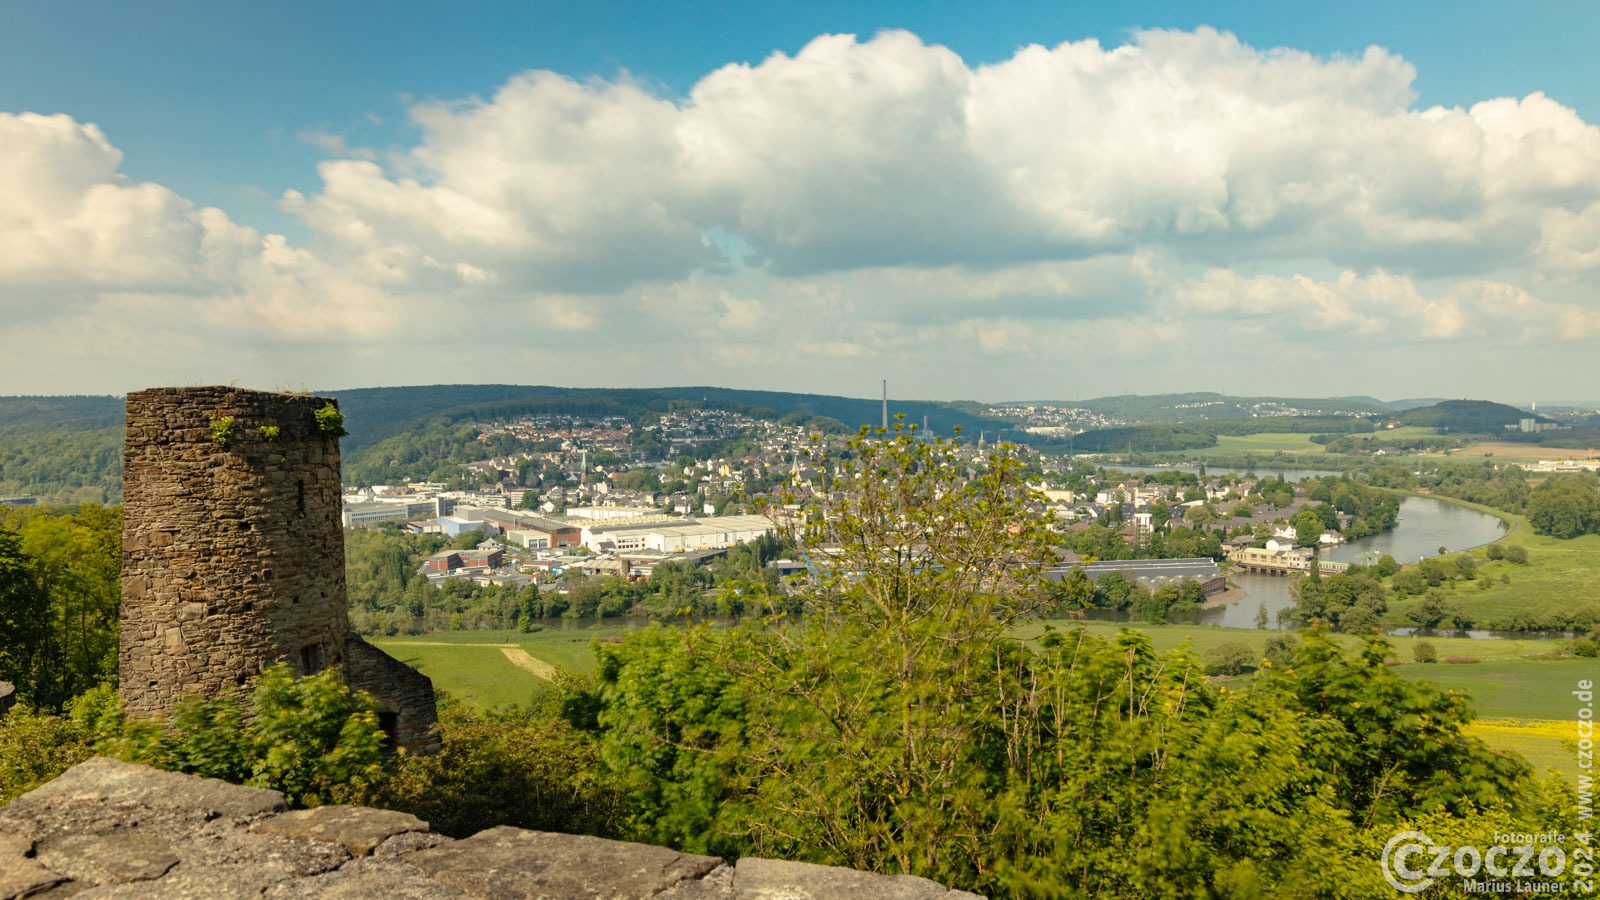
(1425, 525)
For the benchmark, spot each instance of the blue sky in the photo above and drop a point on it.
(348, 194)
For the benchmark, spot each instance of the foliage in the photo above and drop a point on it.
(270, 432)
(222, 429)
(330, 421)
(36, 746)
(1424, 652)
(1231, 658)
(59, 600)
(1347, 602)
(1565, 506)
(311, 738)
(524, 768)
(1395, 744)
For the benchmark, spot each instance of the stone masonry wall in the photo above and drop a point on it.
(406, 703)
(232, 550)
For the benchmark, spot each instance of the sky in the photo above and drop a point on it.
(1027, 201)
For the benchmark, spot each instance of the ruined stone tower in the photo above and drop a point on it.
(233, 553)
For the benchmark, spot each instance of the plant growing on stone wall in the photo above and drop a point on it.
(330, 421)
(270, 432)
(222, 429)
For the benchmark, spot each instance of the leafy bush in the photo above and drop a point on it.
(1424, 652)
(1230, 658)
(36, 747)
(528, 769)
(311, 738)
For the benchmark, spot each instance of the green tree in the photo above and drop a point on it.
(26, 649)
(1308, 528)
(1565, 506)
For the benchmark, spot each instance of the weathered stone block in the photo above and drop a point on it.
(512, 863)
(109, 858)
(772, 879)
(105, 780)
(357, 829)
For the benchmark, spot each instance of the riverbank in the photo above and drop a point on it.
(1553, 591)
(1224, 598)
(1512, 521)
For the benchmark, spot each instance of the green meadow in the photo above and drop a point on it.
(1234, 445)
(473, 666)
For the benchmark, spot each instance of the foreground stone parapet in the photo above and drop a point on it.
(111, 829)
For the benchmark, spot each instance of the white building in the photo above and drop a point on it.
(677, 536)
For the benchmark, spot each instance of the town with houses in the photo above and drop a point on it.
(584, 498)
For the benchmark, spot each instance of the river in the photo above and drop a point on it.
(1425, 525)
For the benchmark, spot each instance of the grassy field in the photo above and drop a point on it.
(1517, 450)
(1511, 688)
(1403, 433)
(474, 667)
(1235, 445)
(1204, 637)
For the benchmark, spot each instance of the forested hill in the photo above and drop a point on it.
(373, 414)
(1467, 416)
(69, 449)
(61, 449)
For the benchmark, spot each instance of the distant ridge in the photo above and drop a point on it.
(373, 414)
(1403, 405)
(1208, 405)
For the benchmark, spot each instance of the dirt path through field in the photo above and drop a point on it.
(515, 655)
(520, 658)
